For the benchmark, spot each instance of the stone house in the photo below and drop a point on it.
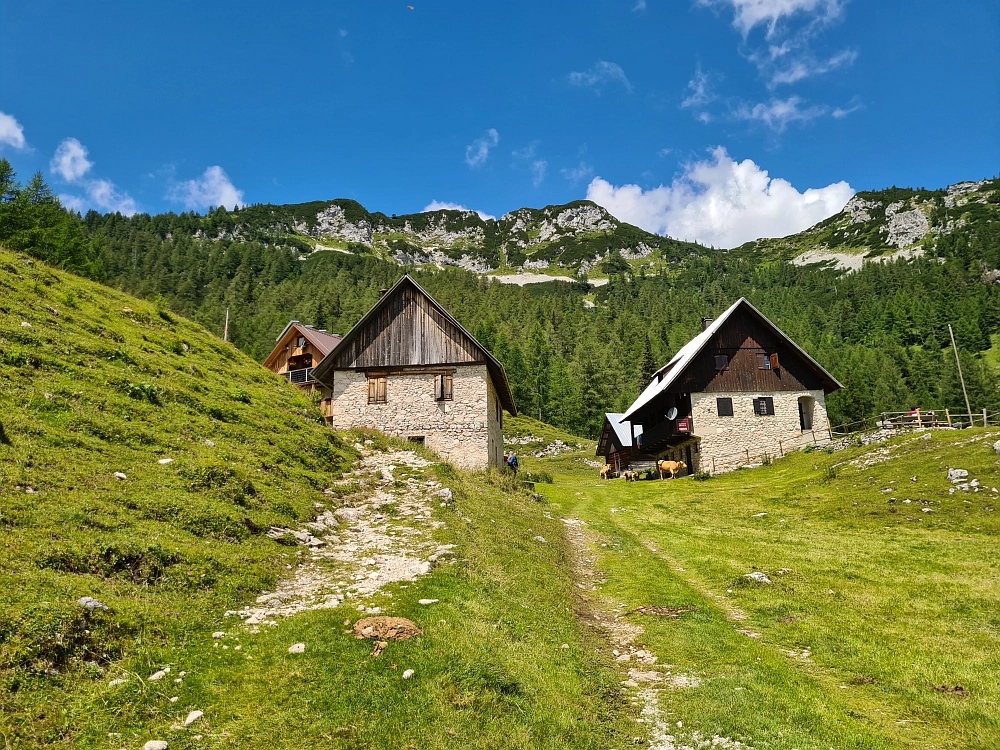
(297, 350)
(408, 368)
(739, 390)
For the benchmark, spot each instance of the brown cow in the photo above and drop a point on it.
(670, 467)
(606, 471)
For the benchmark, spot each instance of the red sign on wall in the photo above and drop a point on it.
(684, 424)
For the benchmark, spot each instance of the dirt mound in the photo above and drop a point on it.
(956, 690)
(663, 611)
(386, 628)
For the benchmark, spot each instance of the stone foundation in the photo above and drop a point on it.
(465, 431)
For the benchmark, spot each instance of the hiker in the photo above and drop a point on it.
(506, 458)
(512, 462)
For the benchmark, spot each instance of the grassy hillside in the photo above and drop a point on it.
(96, 383)
(879, 627)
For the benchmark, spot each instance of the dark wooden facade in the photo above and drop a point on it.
(406, 331)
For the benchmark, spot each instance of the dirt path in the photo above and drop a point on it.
(381, 534)
(645, 678)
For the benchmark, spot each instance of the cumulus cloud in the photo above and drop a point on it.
(477, 152)
(721, 202)
(436, 205)
(778, 113)
(601, 74)
(70, 161)
(213, 188)
(11, 132)
(71, 165)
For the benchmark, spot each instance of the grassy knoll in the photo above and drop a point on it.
(103, 383)
(874, 602)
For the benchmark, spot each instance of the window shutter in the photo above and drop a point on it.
(774, 361)
(724, 407)
(372, 392)
(381, 389)
(721, 361)
(761, 359)
(447, 392)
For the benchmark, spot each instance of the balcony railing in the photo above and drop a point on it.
(300, 377)
(652, 437)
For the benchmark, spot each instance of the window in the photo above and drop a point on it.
(721, 361)
(724, 407)
(443, 388)
(767, 361)
(763, 406)
(376, 389)
(300, 341)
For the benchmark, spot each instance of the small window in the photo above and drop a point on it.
(721, 361)
(300, 341)
(763, 362)
(443, 388)
(376, 389)
(724, 407)
(763, 406)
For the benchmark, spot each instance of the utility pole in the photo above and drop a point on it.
(225, 335)
(968, 409)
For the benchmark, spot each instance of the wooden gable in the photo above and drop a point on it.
(743, 342)
(406, 329)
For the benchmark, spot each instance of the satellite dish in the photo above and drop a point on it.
(672, 414)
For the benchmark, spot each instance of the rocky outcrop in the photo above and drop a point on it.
(859, 209)
(904, 227)
(332, 222)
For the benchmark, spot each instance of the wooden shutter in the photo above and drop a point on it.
(447, 387)
(724, 407)
(372, 389)
(774, 361)
(376, 389)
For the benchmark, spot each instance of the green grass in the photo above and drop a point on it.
(889, 600)
(103, 383)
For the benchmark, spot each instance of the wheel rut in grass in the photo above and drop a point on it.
(380, 534)
(644, 677)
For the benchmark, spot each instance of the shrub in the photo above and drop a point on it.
(143, 392)
(542, 477)
(809, 449)
(701, 476)
(240, 395)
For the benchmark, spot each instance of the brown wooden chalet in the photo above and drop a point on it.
(738, 390)
(409, 368)
(298, 350)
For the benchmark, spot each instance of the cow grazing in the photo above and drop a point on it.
(631, 476)
(606, 471)
(670, 467)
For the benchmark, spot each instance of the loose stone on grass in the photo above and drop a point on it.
(297, 648)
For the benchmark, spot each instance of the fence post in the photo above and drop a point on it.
(781, 450)
(947, 415)
(984, 417)
(713, 464)
(748, 454)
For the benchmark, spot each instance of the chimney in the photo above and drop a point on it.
(705, 323)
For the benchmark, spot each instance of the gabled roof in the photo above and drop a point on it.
(623, 429)
(670, 372)
(493, 365)
(323, 342)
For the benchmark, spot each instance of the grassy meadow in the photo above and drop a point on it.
(885, 590)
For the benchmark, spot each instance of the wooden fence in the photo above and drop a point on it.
(916, 419)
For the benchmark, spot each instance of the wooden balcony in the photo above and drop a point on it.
(300, 377)
(659, 436)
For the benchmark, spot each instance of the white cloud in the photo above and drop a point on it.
(841, 112)
(640, 5)
(70, 164)
(578, 173)
(436, 205)
(806, 66)
(11, 132)
(748, 14)
(664, 151)
(477, 152)
(538, 170)
(778, 113)
(721, 202)
(213, 188)
(599, 75)
(70, 161)
(700, 91)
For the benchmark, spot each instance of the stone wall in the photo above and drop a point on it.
(727, 440)
(463, 431)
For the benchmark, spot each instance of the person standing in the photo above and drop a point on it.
(512, 462)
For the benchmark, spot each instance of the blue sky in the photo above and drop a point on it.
(717, 120)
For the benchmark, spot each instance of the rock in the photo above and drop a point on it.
(757, 576)
(298, 648)
(996, 447)
(90, 603)
(428, 601)
(209, 443)
(155, 745)
(193, 717)
(758, 515)
(25, 324)
(957, 475)
(445, 494)
(159, 675)
(926, 510)
(174, 699)
(408, 674)
(119, 681)
(565, 645)
(165, 461)
(218, 635)
(386, 628)
(120, 475)
(539, 539)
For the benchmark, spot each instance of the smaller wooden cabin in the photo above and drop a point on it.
(298, 350)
